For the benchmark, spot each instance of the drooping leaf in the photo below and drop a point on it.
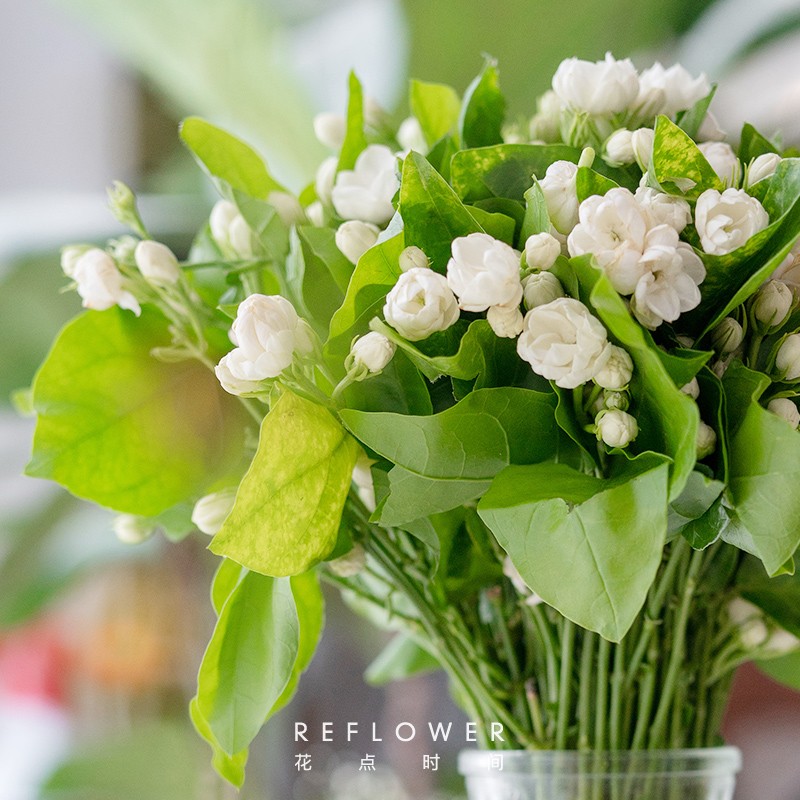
(504, 170)
(764, 469)
(537, 219)
(120, 428)
(475, 439)
(777, 596)
(288, 505)
(752, 144)
(230, 768)
(248, 661)
(432, 213)
(436, 107)
(783, 669)
(589, 547)
(483, 109)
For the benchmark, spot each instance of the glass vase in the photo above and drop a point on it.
(698, 774)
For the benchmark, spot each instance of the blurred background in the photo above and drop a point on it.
(99, 641)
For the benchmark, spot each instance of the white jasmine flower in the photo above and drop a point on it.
(354, 238)
(727, 336)
(663, 209)
(288, 207)
(505, 321)
(749, 619)
(616, 428)
(564, 343)
(130, 529)
(710, 130)
(316, 214)
(542, 250)
(374, 113)
(230, 367)
(619, 147)
(413, 257)
(617, 372)
(642, 141)
(724, 161)
(373, 351)
(420, 303)
(613, 229)
(668, 91)
(484, 272)
(350, 564)
(100, 283)
(772, 303)
(787, 361)
(410, 136)
(325, 178)
(670, 285)
(268, 333)
(366, 191)
(230, 230)
(157, 263)
(211, 511)
(560, 192)
(545, 124)
(362, 478)
(69, 257)
(762, 167)
(600, 88)
(692, 389)
(784, 408)
(726, 221)
(706, 441)
(330, 129)
(613, 399)
(540, 289)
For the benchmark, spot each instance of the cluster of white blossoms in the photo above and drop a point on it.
(268, 334)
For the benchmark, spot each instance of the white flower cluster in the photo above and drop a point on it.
(267, 333)
(635, 241)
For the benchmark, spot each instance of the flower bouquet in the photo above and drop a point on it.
(525, 392)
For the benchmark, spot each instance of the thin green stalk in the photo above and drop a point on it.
(565, 683)
(617, 678)
(658, 728)
(601, 700)
(585, 690)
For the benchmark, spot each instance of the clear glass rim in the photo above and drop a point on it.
(701, 761)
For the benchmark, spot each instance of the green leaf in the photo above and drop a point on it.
(677, 159)
(752, 144)
(432, 213)
(401, 658)
(226, 579)
(248, 661)
(590, 183)
(355, 140)
(667, 418)
(778, 596)
(537, 218)
(691, 120)
(310, 605)
(764, 469)
(610, 532)
(504, 170)
(483, 109)
(230, 768)
(785, 669)
(120, 428)
(375, 274)
(683, 364)
(288, 505)
(694, 501)
(436, 107)
(228, 159)
(475, 439)
(317, 275)
(496, 224)
(412, 496)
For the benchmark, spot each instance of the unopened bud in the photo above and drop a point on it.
(727, 336)
(211, 511)
(784, 408)
(617, 372)
(541, 288)
(616, 428)
(413, 257)
(541, 251)
(762, 167)
(157, 263)
(505, 321)
(772, 304)
(373, 351)
(642, 143)
(619, 148)
(618, 400)
(354, 238)
(692, 389)
(787, 361)
(330, 129)
(131, 529)
(706, 441)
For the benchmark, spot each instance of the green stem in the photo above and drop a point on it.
(601, 701)
(753, 350)
(617, 679)
(585, 689)
(565, 683)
